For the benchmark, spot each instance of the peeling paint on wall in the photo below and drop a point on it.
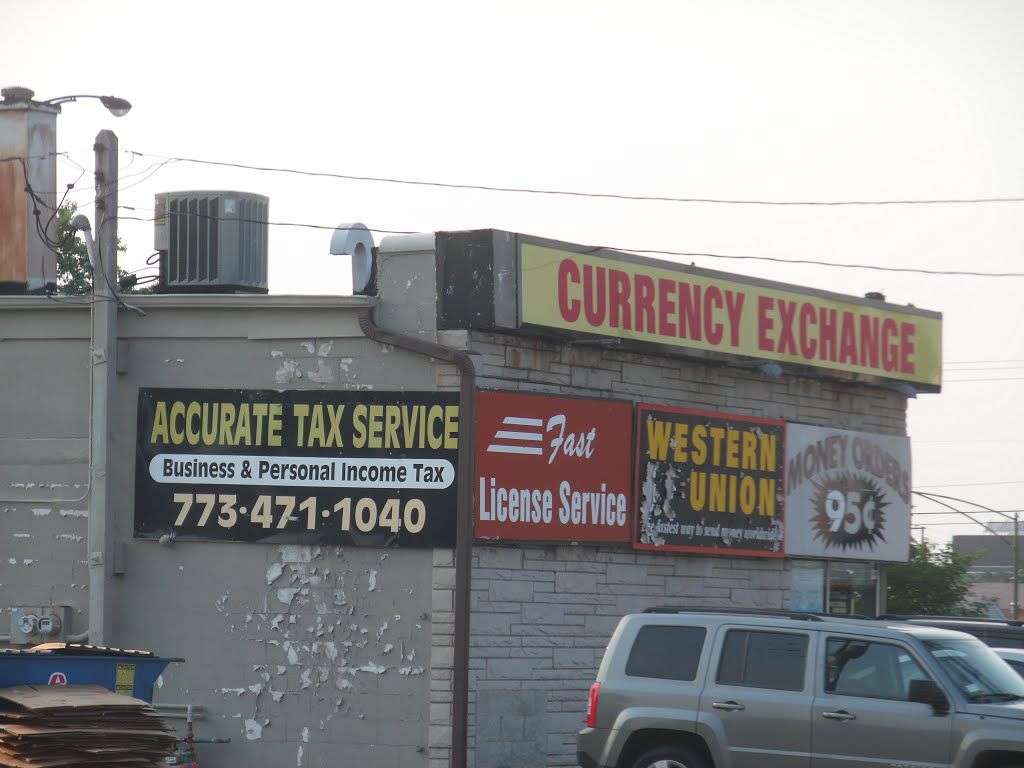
(298, 553)
(274, 572)
(304, 645)
(288, 371)
(253, 730)
(323, 374)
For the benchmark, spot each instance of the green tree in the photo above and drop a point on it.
(933, 582)
(74, 272)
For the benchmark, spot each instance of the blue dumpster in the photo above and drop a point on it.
(132, 673)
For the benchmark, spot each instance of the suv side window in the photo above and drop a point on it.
(668, 653)
(775, 660)
(857, 667)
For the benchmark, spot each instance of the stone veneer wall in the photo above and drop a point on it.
(541, 615)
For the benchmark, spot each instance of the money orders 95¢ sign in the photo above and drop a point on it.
(353, 468)
(552, 468)
(847, 493)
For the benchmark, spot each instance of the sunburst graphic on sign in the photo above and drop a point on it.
(849, 511)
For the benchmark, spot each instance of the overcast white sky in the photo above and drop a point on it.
(755, 100)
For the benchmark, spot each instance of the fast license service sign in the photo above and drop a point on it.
(552, 468)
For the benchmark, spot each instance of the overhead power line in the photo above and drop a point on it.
(815, 262)
(684, 254)
(163, 160)
(971, 485)
(578, 193)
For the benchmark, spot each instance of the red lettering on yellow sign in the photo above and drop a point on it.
(670, 308)
(820, 333)
(642, 301)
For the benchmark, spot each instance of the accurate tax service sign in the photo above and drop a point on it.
(353, 468)
(553, 468)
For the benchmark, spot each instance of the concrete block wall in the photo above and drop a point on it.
(595, 370)
(541, 615)
(442, 658)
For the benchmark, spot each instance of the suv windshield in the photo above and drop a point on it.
(976, 670)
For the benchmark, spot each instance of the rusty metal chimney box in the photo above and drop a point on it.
(28, 142)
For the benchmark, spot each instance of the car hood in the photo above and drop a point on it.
(1013, 710)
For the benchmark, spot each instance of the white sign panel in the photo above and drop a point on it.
(807, 586)
(847, 494)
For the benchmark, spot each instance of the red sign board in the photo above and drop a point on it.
(553, 468)
(58, 678)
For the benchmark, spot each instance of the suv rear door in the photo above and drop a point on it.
(861, 713)
(756, 703)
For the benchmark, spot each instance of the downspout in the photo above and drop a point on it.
(464, 514)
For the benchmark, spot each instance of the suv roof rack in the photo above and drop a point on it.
(977, 619)
(796, 615)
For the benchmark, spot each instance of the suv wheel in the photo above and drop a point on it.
(670, 756)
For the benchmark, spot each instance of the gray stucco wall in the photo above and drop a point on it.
(301, 655)
(44, 453)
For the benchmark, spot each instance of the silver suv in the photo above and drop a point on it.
(704, 688)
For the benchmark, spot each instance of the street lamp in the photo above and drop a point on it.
(1016, 535)
(117, 106)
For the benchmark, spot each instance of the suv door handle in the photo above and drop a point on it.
(840, 715)
(728, 706)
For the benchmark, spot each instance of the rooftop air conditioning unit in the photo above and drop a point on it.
(211, 242)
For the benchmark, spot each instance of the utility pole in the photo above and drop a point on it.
(103, 359)
(1016, 566)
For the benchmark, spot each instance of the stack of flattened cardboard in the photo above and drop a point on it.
(66, 726)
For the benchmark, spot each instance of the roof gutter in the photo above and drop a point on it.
(464, 514)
